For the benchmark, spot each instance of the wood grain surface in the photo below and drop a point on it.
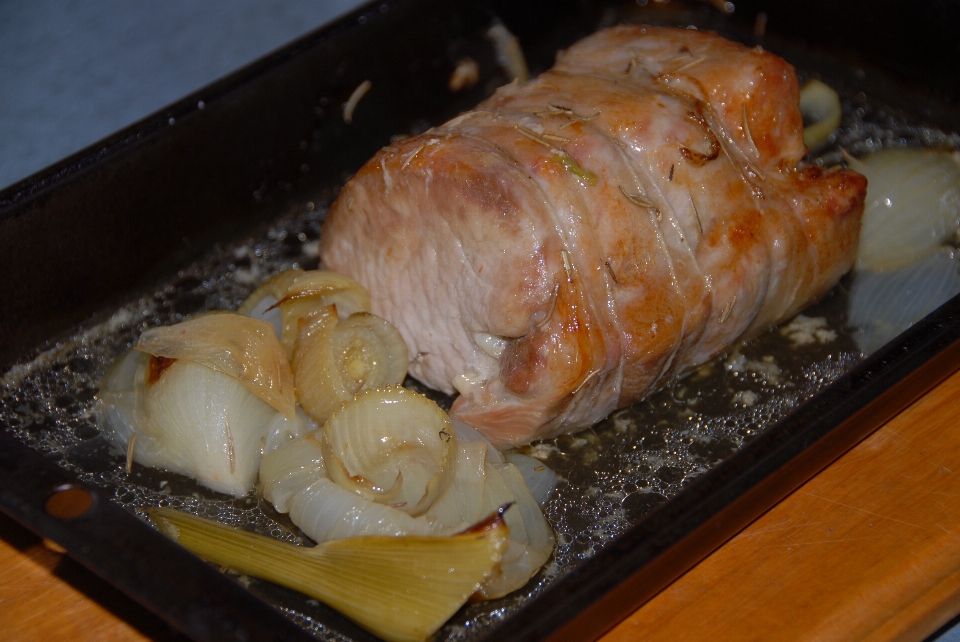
(869, 549)
(45, 595)
(866, 550)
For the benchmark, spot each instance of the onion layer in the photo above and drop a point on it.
(462, 502)
(539, 479)
(312, 291)
(188, 419)
(912, 208)
(820, 104)
(261, 304)
(334, 360)
(531, 540)
(372, 470)
(200, 423)
(327, 511)
(242, 348)
(400, 588)
(290, 469)
(391, 446)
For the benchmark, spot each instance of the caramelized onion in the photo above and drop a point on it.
(261, 304)
(317, 289)
(391, 446)
(335, 360)
(531, 540)
(359, 477)
(242, 348)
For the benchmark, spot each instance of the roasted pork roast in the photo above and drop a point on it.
(576, 241)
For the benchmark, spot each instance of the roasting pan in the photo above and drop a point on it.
(129, 225)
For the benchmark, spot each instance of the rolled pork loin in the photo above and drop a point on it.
(578, 240)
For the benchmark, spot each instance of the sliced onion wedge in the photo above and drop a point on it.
(531, 539)
(820, 104)
(327, 511)
(317, 289)
(242, 348)
(261, 304)
(539, 478)
(201, 423)
(290, 469)
(119, 398)
(391, 446)
(400, 588)
(335, 360)
(462, 502)
(912, 206)
(202, 399)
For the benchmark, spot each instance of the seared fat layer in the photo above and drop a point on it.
(575, 241)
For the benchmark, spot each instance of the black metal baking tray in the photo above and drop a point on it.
(258, 154)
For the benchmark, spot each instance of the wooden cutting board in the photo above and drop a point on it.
(869, 549)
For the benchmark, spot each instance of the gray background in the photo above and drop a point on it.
(74, 72)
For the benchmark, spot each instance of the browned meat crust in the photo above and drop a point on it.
(577, 240)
